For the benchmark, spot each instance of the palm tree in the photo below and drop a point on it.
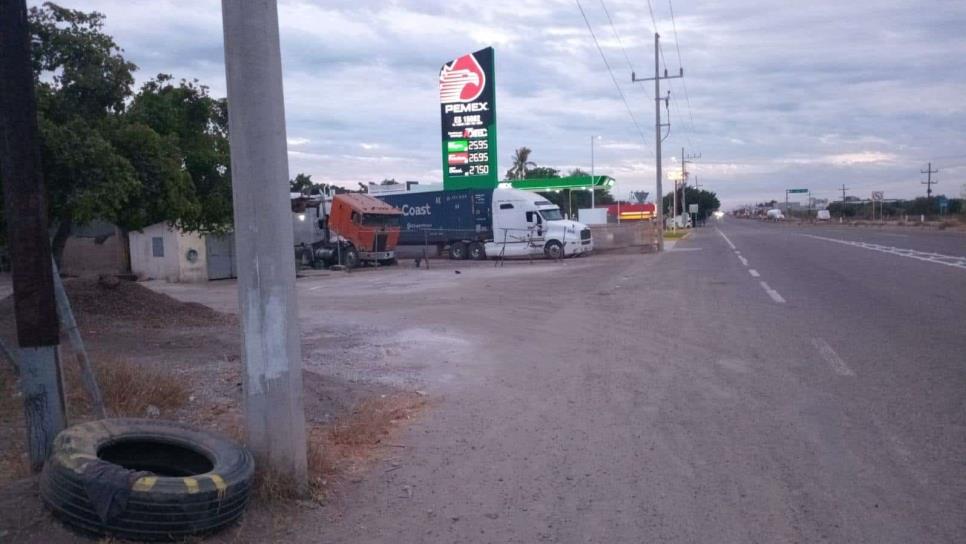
(521, 164)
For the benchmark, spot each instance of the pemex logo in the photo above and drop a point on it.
(461, 80)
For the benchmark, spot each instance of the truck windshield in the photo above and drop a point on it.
(551, 214)
(378, 220)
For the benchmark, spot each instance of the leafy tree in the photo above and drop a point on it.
(167, 192)
(109, 154)
(198, 124)
(82, 83)
(301, 184)
(569, 200)
(707, 201)
(541, 172)
(521, 164)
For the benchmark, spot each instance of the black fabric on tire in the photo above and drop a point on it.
(158, 507)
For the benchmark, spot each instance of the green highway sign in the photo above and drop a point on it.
(798, 190)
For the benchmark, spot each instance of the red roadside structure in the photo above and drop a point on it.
(631, 212)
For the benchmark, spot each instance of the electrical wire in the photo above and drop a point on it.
(611, 71)
(617, 35)
(630, 65)
(677, 45)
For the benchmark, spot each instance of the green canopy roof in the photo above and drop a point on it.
(569, 182)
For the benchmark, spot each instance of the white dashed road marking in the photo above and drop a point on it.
(832, 358)
(725, 237)
(754, 273)
(772, 293)
(938, 258)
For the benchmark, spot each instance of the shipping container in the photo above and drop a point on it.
(441, 216)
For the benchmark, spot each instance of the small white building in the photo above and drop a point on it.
(165, 253)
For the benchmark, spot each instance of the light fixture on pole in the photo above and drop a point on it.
(592, 138)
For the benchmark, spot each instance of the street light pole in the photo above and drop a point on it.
(592, 138)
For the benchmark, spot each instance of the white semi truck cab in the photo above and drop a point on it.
(525, 224)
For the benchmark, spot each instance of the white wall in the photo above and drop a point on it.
(174, 265)
(192, 271)
(592, 216)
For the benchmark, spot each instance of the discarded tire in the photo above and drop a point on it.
(140, 479)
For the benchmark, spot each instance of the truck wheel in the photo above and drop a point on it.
(477, 251)
(140, 479)
(553, 250)
(457, 251)
(350, 257)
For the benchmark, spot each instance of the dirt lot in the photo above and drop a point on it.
(378, 345)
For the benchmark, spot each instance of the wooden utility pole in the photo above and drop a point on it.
(272, 353)
(25, 210)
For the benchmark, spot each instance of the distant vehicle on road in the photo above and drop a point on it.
(775, 214)
(823, 215)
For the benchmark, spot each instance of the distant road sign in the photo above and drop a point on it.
(878, 195)
(692, 208)
(798, 190)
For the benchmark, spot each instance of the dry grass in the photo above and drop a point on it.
(128, 389)
(335, 452)
(13, 461)
(352, 442)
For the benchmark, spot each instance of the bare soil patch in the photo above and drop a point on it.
(156, 356)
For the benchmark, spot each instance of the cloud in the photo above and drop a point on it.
(825, 92)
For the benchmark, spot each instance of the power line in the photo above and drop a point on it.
(617, 35)
(609, 70)
(630, 65)
(677, 46)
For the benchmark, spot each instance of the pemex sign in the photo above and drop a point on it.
(467, 107)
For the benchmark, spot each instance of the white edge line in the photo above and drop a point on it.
(901, 252)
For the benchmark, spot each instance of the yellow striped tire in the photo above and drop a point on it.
(194, 482)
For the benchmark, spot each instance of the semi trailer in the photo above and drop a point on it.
(480, 223)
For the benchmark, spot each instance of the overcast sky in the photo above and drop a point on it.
(782, 94)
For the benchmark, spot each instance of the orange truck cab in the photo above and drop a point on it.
(366, 226)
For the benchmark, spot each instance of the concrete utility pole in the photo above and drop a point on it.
(274, 414)
(929, 181)
(657, 132)
(25, 208)
(685, 159)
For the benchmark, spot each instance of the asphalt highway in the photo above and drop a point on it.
(756, 383)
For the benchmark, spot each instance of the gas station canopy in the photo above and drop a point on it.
(555, 184)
